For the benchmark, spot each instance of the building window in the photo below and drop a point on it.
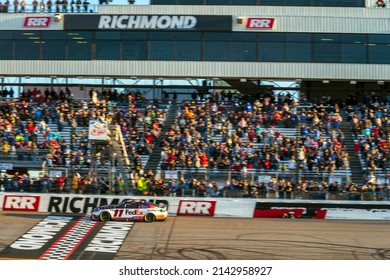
(108, 50)
(133, 50)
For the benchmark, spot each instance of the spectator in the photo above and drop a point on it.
(49, 5)
(35, 5)
(380, 4)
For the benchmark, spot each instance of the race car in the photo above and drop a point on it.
(131, 210)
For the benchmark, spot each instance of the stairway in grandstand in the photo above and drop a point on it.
(355, 166)
(153, 162)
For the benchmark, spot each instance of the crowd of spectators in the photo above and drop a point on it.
(370, 125)
(27, 133)
(76, 184)
(241, 136)
(221, 133)
(49, 6)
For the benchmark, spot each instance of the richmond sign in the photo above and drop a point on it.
(148, 22)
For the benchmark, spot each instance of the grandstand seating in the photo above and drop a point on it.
(200, 125)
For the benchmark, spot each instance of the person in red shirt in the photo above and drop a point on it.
(375, 131)
(30, 127)
(356, 147)
(267, 163)
(60, 183)
(251, 134)
(204, 160)
(149, 138)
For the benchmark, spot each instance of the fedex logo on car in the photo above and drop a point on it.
(36, 22)
(260, 23)
(196, 208)
(21, 203)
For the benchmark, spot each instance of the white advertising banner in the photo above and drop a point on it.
(98, 131)
(197, 206)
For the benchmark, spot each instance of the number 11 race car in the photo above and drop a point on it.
(131, 210)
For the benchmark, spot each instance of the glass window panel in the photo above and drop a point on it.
(378, 53)
(163, 2)
(353, 38)
(79, 50)
(300, 2)
(353, 53)
(127, 35)
(326, 38)
(187, 50)
(385, 39)
(79, 34)
(216, 51)
(132, 50)
(161, 50)
(218, 2)
(6, 35)
(298, 52)
(216, 36)
(188, 36)
(244, 36)
(271, 52)
(244, 2)
(243, 51)
(296, 2)
(27, 34)
(6, 49)
(108, 35)
(108, 50)
(353, 3)
(298, 37)
(54, 35)
(190, 2)
(273, 2)
(27, 49)
(54, 49)
(161, 36)
(326, 52)
(327, 3)
(271, 37)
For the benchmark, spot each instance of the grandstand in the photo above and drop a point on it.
(216, 110)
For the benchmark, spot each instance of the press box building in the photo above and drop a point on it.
(329, 47)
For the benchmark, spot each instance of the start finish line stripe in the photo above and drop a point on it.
(66, 244)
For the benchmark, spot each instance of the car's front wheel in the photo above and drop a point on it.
(149, 218)
(104, 216)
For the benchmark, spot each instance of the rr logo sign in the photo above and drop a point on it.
(37, 22)
(196, 208)
(21, 203)
(260, 23)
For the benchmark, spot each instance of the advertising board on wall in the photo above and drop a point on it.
(207, 207)
(255, 24)
(37, 22)
(148, 22)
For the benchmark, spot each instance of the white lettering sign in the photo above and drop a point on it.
(146, 22)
